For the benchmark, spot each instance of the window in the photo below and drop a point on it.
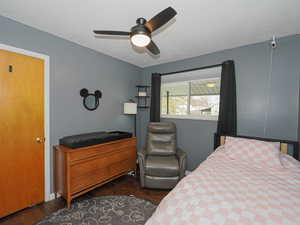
(191, 97)
(175, 98)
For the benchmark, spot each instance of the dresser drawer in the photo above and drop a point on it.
(129, 153)
(121, 167)
(102, 149)
(86, 167)
(89, 179)
(123, 162)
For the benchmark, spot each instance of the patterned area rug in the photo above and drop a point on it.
(107, 210)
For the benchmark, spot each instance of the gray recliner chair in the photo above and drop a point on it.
(162, 164)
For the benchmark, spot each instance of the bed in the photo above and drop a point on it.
(230, 188)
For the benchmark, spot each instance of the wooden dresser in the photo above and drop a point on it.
(80, 170)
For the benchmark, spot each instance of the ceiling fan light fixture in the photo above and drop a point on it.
(140, 40)
(140, 34)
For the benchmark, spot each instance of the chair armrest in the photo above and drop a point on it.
(142, 156)
(142, 161)
(182, 157)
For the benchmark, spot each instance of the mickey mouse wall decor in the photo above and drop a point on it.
(90, 100)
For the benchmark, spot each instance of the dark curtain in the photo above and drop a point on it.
(155, 98)
(227, 111)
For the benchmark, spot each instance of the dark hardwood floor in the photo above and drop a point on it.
(126, 185)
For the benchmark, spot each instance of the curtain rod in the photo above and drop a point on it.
(188, 70)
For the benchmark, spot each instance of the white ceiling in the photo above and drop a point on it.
(200, 27)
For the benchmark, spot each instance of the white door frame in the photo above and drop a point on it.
(46, 58)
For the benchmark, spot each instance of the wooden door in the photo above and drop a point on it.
(21, 123)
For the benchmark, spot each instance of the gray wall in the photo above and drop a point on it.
(252, 64)
(73, 67)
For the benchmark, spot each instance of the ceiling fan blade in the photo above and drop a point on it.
(111, 32)
(152, 47)
(160, 19)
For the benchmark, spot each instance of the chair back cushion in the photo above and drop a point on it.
(161, 140)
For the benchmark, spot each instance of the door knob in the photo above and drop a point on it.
(40, 140)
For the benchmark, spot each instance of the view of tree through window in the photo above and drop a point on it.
(194, 98)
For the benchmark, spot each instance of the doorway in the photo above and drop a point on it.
(24, 122)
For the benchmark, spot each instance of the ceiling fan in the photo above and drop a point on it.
(140, 34)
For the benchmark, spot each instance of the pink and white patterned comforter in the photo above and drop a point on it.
(222, 191)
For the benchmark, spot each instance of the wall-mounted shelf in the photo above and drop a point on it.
(143, 96)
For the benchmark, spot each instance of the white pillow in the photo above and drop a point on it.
(258, 152)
